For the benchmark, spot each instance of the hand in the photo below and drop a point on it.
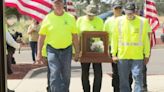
(76, 57)
(45, 61)
(115, 59)
(39, 59)
(146, 60)
(21, 45)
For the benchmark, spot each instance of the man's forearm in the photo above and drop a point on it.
(76, 43)
(40, 44)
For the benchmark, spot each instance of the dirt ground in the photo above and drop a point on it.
(20, 70)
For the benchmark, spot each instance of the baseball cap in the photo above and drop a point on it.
(90, 10)
(117, 4)
(130, 7)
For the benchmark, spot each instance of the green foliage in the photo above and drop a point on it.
(160, 8)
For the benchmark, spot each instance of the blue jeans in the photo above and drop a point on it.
(59, 64)
(33, 46)
(144, 78)
(124, 69)
(115, 78)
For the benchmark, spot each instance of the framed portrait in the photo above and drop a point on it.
(94, 47)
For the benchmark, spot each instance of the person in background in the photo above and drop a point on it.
(131, 46)
(90, 22)
(33, 37)
(108, 25)
(10, 41)
(16, 35)
(59, 30)
(11, 50)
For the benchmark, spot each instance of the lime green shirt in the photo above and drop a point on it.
(131, 34)
(84, 24)
(108, 25)
(58, 29)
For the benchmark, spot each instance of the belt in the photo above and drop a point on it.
(59, 48)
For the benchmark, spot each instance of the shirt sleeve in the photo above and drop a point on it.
(101, 24)
(105, 27)
(78, 24)
(146, 40)
(10, 41)
(114, 40)
(74, 28)
(148, 28)
(44, 27)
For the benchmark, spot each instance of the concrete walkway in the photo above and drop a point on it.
(155, 84)
(38, 83)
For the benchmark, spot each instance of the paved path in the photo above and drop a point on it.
(38, 83)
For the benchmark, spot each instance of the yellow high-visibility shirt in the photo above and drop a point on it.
(128, 40)
(109, 25)
(84, 24)
(58, 29)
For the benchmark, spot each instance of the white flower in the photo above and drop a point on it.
(97, 46)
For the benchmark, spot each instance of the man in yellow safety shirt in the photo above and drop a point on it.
(131, 43)
(108, 25)
(59, 30)
(90, 22)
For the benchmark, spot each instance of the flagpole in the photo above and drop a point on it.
(3, 83)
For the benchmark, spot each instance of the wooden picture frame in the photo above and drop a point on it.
(95, 53)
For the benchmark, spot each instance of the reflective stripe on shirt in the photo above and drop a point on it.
(121, 43)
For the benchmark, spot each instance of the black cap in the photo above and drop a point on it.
(116, 4)
(130, 7)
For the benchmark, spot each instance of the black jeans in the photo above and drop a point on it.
(9, 59)
(33, 46)
(11, 51)
(115, 78)
(97, 67)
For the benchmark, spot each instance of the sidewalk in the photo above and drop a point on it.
(155, 84)
(39, 83)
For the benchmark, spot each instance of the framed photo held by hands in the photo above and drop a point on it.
(94, 46)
